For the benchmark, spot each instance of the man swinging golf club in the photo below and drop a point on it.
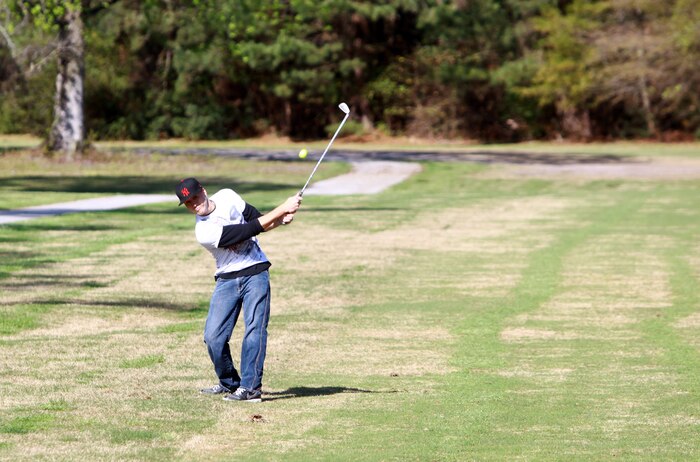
(226, 226)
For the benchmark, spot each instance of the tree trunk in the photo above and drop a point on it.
(642, 82)
(646, 106)
(644, 94)
(67, 133)
(576, 124)
(287, 130)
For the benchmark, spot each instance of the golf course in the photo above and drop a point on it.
(476, 311)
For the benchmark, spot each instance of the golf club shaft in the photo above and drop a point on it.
(301, 193)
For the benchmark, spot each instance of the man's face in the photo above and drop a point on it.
(199, 204)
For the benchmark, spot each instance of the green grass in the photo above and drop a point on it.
(26, 424)
(18, 142)
(18, 318)
(457, 316)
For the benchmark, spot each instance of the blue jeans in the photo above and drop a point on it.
(252, 294)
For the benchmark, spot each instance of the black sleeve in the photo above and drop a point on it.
(234, 234)
(250, 213)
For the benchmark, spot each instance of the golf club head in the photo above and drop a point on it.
(343, 107)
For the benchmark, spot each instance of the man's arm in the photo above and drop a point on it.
(250, 213)
(282, 214)
(235, 234)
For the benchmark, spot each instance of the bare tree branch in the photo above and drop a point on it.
(8, 40)
(35, 67)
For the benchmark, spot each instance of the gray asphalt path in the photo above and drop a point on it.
(367, 177)
(84, 205)
(402, 155)
(372, 171)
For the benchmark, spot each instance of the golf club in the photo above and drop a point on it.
(343, 107)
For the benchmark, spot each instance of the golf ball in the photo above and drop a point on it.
(303, 153)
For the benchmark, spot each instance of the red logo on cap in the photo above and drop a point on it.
(186, 192)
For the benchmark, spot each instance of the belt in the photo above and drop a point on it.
(250, 271)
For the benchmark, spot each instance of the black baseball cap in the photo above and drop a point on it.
(187, 189)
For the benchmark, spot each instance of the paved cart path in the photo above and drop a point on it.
(369, 177)
(84, 205)
(375, 171)
(365, 178)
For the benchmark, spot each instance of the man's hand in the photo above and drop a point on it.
(282, 215)
(292, 204)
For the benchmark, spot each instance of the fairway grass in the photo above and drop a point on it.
(456, 316)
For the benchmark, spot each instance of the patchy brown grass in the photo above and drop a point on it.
(138, 273)
(513, 227)
(90, 335)
(407, 348)
(689, 322)
(607, 289)
(605, 292)
(537, 373)
(519, 334)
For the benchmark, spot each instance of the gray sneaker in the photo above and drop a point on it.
(215, 390)
(243, 394)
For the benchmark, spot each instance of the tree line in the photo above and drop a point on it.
(493, 70)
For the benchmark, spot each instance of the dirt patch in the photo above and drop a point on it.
(689, 322)
(519, 334)
(545, 375)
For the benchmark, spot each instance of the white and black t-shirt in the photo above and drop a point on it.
(228, 233)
